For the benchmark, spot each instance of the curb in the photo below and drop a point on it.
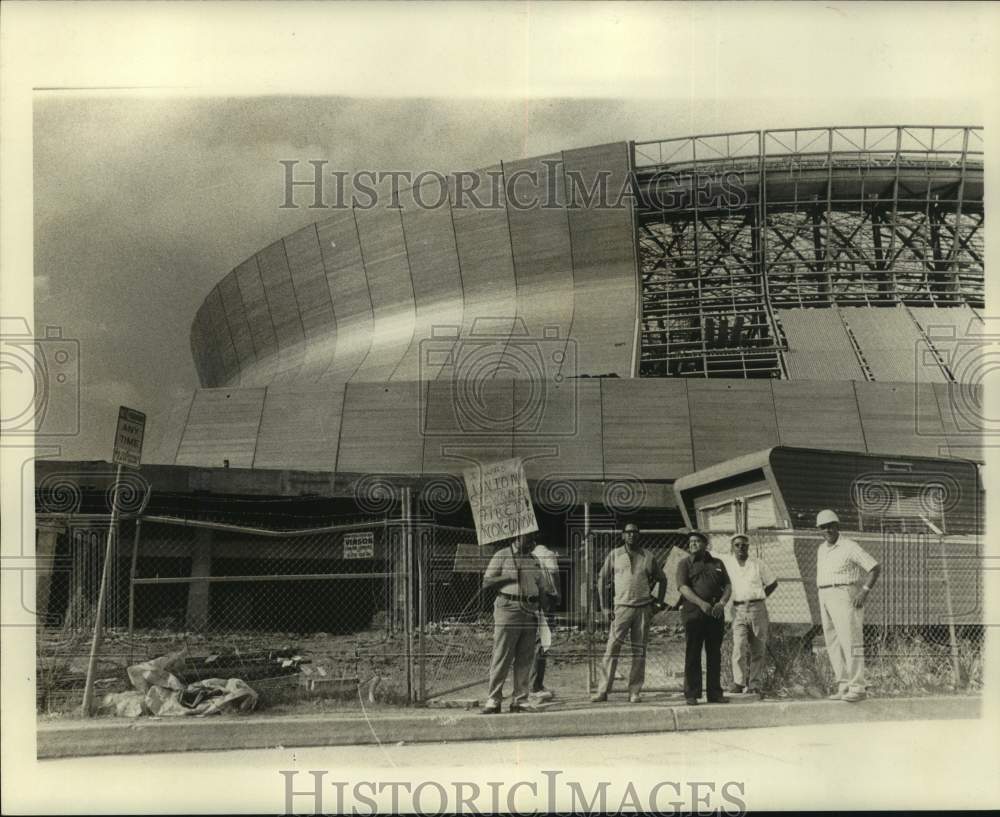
(261, 732)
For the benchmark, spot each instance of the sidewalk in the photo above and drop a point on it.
(107, 736)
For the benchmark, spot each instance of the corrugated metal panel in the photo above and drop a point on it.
(482, 236)
(236, 317)
(853, 485)
(899, 418)
(647, 429)
(283, 304)
(352, 306)
(891, 345)
(565, 442)
(391, 288)
(265, 344)
(437, 278)
(466, 423)
(729, 418)
(818, 346)
(167, 430)
(305, 263)
(963, 418)
(380, 432)
(955, 333)
(300, 427)
(222, 425)
(817, 414)
(543, 264)
(604, 263)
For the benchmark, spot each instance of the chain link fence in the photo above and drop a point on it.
(392, 610)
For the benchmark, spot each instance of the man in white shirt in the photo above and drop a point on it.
(549, 562)
(752, 582)
(841, 565)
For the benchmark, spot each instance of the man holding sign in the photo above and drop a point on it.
(521, 584)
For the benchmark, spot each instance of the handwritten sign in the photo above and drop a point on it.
(471, 558)
(359, 545)
(128, 437)
(501, 503)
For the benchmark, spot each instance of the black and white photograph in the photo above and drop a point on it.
(525, 407)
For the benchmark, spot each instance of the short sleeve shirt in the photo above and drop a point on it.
(844, 562)
(527, 579)
(707, 577)
(634, 574)
(749, 579)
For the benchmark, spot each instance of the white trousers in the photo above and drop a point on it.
(845, 642)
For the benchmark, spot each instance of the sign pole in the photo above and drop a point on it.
(95, 645)
(127, 450)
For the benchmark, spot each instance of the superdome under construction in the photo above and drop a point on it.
(814, 287)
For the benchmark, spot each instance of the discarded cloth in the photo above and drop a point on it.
(165, 695)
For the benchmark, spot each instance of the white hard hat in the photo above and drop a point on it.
(826, 517)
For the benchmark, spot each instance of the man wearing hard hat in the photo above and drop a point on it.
(841, 565)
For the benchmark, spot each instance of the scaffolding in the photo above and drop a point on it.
(733, 226)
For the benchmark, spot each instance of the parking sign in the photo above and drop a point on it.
(128, 437)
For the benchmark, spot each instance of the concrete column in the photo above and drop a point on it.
(199, 592)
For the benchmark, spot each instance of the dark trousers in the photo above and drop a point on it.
(703, 632)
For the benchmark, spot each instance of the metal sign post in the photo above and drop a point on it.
(127, 451)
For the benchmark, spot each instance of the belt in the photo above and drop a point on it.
(842, 584)
(512, 597)
(748, 601)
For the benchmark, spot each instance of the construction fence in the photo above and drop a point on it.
(392, 610)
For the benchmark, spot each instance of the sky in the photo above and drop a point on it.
(142, 204)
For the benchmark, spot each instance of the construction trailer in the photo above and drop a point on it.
(921, 517)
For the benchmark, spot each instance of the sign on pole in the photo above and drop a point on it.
(128, 437)
(127, 453)
(501, 503)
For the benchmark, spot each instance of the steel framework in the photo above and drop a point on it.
(732, 226)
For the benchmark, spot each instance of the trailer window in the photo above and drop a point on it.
(719, 517)
(899, 507)
(760, 512)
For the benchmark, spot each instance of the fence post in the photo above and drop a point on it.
(95, 645)
(131, 589)
(407, 541)
(955, 666)
(588, 593)
(422, 613)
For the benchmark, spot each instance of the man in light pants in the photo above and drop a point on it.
(841, 564)
(752, 582)
(635, 571)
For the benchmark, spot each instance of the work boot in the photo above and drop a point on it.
(722, 699)
(691, 701)
(635, 698)
(490, 709)
(838, 695)
(599, 698)
(854, 697)
(736, 689)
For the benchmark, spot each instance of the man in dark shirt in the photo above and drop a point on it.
(704, 587)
